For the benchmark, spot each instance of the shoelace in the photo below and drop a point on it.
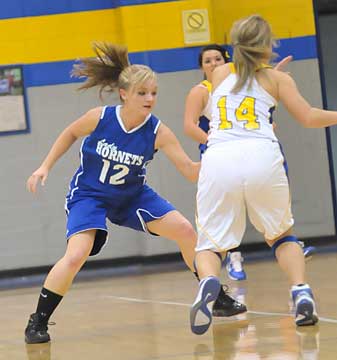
(225, 288)
(41, 326)
(226, 291)
(226, 297)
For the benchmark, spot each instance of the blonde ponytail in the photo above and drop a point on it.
(252, 41)
(110, 69)
(104, 69)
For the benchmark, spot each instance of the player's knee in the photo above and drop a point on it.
(76, 259)
(186, 230)
(283, 240)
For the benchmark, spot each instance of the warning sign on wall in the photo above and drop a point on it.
(196, 26)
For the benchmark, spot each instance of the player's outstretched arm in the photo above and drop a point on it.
(299, 108)
(195, 102)
(81, 127)
(169, 144)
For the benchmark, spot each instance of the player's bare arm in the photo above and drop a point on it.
(169, 144)
(81, 127)
(195, 103)
(299, 108)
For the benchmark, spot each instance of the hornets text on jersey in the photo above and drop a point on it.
(113, 160)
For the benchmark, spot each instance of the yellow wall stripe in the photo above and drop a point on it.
(288, 18)
(55, 37)
(143, 27)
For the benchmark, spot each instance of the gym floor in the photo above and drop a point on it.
(146, 317)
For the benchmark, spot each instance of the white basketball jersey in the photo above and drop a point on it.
(244, 115)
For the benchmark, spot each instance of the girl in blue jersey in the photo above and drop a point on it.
(110, 182)
(243, 169)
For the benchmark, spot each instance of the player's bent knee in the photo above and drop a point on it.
(285, 239)
(76, 259)
(186, 230)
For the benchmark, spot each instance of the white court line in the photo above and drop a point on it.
(324, 319)
(143, 300)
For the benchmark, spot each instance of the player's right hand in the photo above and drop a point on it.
(38, 175)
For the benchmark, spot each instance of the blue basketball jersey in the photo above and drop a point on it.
(113, 160)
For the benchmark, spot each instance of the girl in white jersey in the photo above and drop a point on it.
(242, 169)
(198, 112)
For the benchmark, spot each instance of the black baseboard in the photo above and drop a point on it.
(143, 264)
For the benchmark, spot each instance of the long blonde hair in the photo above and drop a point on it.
(110, 69)
(252, 40)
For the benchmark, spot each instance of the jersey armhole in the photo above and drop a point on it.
(157, 127)
(207, 85)
(103, 112)
(101, 117)
(232, 68)
(155, 132)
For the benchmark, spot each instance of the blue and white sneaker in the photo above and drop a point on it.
(234, 266)
(201, 310)
(304, 305)
(308, 251)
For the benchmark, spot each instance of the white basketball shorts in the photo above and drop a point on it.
(239, 177)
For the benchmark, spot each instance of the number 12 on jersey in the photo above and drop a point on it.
(116, 179)
(245, 112)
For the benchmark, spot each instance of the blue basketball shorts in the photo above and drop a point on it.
(86, 213)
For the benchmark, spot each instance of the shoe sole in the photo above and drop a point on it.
(307, 310)
(207, 293)
(227, 313)
(37, 341)
(236, 279)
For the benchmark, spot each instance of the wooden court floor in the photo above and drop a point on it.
(147, 318)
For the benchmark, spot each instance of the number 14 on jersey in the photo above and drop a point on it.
(245, 112)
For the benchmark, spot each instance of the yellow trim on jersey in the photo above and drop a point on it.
(264, 66)
(207, 84)
(232, 68)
